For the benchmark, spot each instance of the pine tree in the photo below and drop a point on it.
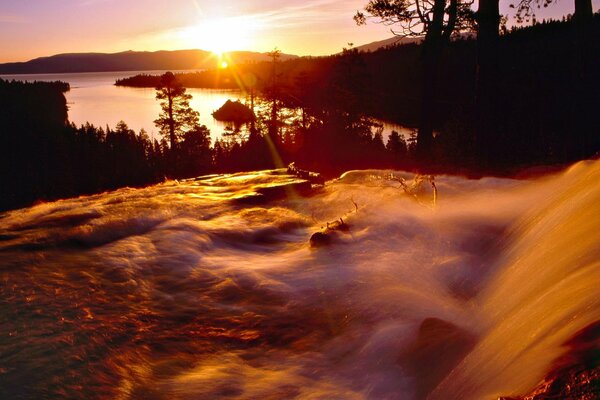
(176, 117)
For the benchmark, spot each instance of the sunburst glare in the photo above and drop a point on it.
(222, 34)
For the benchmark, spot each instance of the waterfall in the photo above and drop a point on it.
(546, 289)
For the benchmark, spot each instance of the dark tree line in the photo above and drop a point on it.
(499, 101)
(436, 21)
(528, 102)
(43, 157)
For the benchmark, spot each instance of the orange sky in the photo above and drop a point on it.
(35, 28)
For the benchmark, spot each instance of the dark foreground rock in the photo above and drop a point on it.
(574, 376)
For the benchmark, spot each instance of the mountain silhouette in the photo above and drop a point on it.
(130, 61)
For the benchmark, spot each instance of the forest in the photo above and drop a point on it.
(537, 109)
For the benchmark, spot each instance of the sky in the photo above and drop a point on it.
(36, 28)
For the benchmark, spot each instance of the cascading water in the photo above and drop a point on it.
(209, 289)
(545, 290)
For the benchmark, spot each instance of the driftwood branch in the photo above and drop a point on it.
(412, 189)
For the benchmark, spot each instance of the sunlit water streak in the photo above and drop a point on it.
(208, 289)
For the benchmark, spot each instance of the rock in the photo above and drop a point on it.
(275, 192)
(320, 239)
(440, 345)
(234, 111)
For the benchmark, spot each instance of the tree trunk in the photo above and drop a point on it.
(428, 104)
(583, 11)
(432, 49)
(585, 97)
(253, 120)
(273, 128)
(172, 137)
(452, 18)
(488, 22)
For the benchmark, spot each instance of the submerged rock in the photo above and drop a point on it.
(278, 191)
(320, 239)
(440, 345)
(325, 236)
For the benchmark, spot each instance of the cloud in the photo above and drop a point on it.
(306, 14)
(87, 3)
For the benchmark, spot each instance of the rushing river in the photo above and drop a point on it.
(209, 289)
(94, 98)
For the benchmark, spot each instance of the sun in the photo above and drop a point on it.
(221, 35)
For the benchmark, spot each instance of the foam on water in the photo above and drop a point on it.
(208, 288)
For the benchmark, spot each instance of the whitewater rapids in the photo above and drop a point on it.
(209, 289)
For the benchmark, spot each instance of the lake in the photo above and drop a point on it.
(94, 98)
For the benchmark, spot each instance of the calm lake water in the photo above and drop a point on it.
(94, 98)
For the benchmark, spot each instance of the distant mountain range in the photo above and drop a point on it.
(154, 60)
(393, 41)
(401, 40)
(130, 61)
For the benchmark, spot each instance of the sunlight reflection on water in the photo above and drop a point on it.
(94, 98)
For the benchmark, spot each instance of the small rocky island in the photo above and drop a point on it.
(234, 111)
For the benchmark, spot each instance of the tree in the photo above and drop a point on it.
(273, 94)
(584, 96)
(583, 11)
(396, 145)
(176, 117)
(526, 10)
(434, 20)
(349, 86)
(195, 156)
